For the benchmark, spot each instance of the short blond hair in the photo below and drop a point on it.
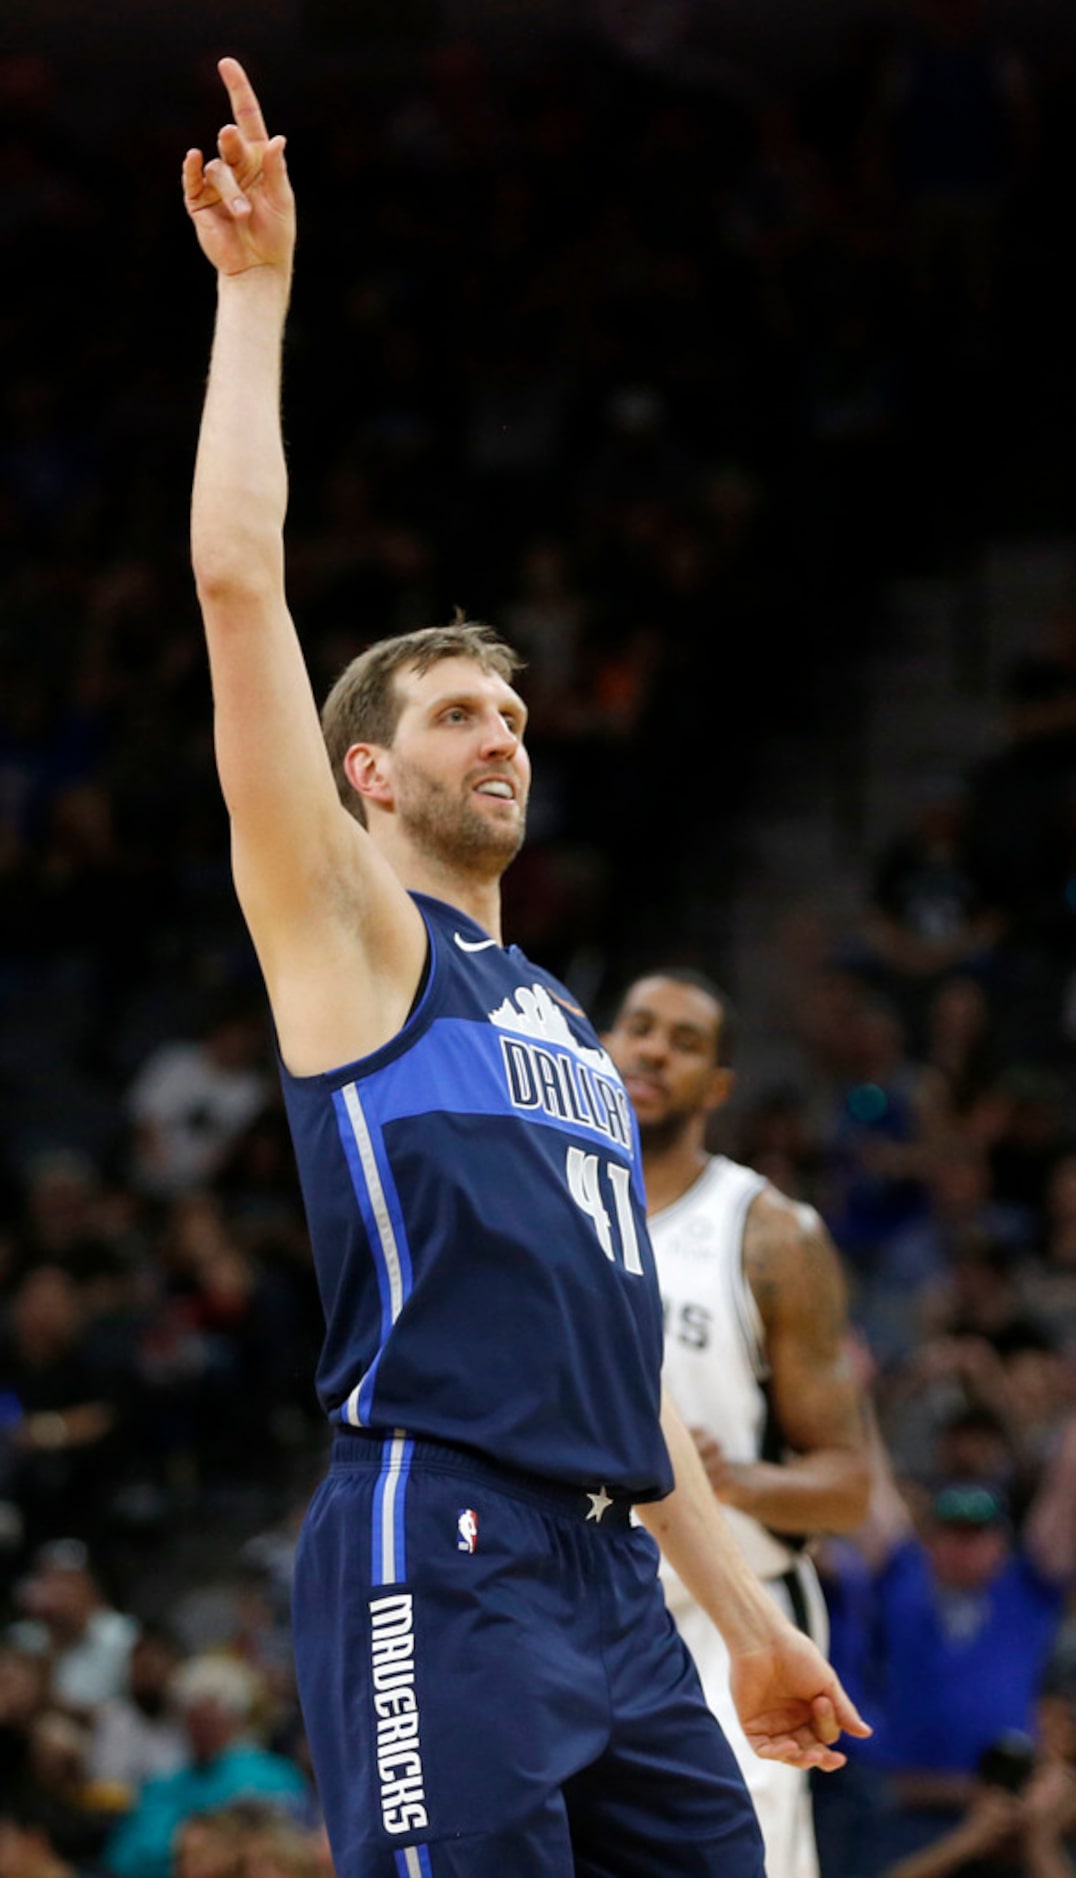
(364, 704)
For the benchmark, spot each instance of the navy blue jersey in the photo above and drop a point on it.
(475, 1201)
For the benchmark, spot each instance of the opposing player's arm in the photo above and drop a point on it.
(308, 877)
(795, 1276)
(789, 1700)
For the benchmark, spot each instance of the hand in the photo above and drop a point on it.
(1048, 1803)
(724, 1475)
(241, 203)
(991, 1818)
(791, 1705)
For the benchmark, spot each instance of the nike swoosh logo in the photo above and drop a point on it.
(472, 945)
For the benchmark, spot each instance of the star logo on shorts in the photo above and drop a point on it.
(600, 1503)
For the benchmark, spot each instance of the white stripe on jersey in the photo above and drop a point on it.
(382, 1219)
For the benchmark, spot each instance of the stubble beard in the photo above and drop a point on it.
(657, 1137)
(448, 829)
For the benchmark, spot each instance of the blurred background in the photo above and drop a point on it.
(721, 355)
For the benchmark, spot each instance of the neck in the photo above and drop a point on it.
(669, 1170)
(476, 894)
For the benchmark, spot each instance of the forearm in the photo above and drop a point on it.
(827, 1491)
(240, 481)
(1045, 1856)
(939, 1860)
(1050, 1530)
(696, 1539)
(923, 1790)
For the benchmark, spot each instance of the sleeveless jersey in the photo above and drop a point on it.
(476, 1208)
(715, 1361)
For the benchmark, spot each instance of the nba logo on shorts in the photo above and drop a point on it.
(467, 1529)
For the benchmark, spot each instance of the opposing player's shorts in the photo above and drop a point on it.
(782, 1795)
(492, 1686)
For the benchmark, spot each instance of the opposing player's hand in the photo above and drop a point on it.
(241, 201)
(725, 1476)
(791, 1704)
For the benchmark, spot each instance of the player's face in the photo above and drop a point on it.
(664, 1043)
(460, 772)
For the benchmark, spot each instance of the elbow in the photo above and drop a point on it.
(220, 589)
(229, 582)
(243, 558)
(852, 1505)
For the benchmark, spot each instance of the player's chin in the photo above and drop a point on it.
(506, 836)
(652, 1116)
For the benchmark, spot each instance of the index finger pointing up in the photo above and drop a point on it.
(245, 107)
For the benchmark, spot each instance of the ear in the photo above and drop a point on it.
(368, 770)
(722, 1082)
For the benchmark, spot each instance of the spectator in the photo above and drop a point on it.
(1027, 1138)
(968, 1613)
(191, 1100)
(24, 1686)
(960, 1056)
(27, 1851)
(56, 1793)
(1050, 1283)
(777, 1140)
(915, 1275)
(877, 1157)
(87, 1642)
(218, 1350)
(215, 1698)
(927, 916)
(136, 1734)
(279, 1852)
(1015, 1824)
(62, 1428)
(211, 1845)
(247, 1839)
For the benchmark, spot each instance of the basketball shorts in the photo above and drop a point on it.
(491, 1684)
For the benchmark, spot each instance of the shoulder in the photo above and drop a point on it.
(790, 1263)
(782, 1235)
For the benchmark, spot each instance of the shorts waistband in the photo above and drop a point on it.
(598, 1505)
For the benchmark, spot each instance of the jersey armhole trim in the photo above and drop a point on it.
(744, 1303)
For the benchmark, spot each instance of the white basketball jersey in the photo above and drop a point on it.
(715, 1362)
(716, 1370)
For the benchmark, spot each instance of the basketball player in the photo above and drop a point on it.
(754, 1354)
(489, 1679)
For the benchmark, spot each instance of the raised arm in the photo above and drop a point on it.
(795, 1277)
(323, 908)
(1049, 1534)
(789, 1700)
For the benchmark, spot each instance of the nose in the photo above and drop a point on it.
(498, 737)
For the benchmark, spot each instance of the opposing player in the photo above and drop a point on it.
(755, 1353)
(490, 1682)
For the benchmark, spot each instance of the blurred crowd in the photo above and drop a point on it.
(665, 374)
